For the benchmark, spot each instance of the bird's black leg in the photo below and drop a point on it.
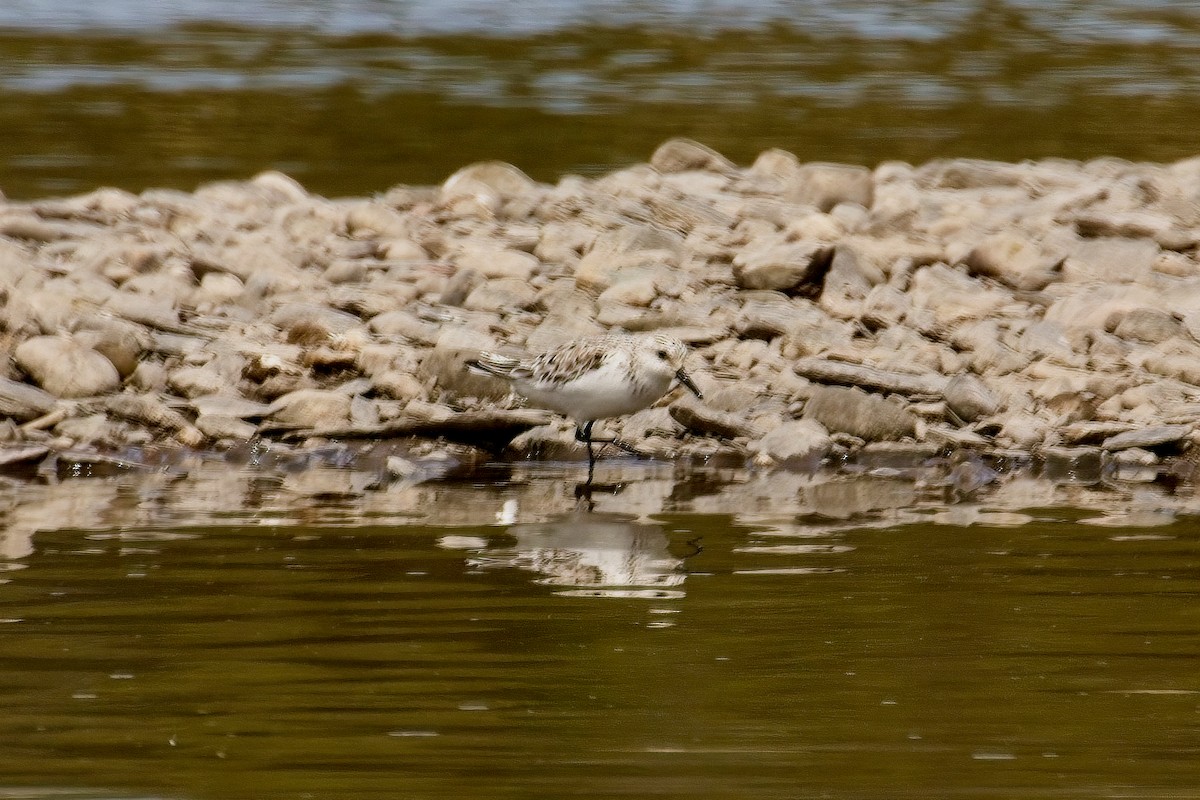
(584, 434)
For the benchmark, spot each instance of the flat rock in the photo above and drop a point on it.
(12, 455)
(1149, 438)
(907, 383)
(1111, 260)
(695, 416)
(23, 402)
(1148, 325)
(220, 426)
(225, 405)
(151, 411)
(853, 411)
(312, 408)
(489, 428)
(1092, 432)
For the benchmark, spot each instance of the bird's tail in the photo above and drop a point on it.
(493, 364)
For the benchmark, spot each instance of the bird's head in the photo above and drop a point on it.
(666, 356)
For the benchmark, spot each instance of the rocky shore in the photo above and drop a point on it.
(985, 317)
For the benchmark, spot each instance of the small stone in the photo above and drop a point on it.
(373, 219)
(196, 381)
(495, 262)
(94, 429)
(312, 323)
(1015, 260)
(219, 426)
(680, 155)
(406, 324)
(312, 408)
(402, 249)
(487, 178)
(781, 267)
(148, 376)
(502, 294)
(639, 292)
(1149, 325)
(446, 365)
(220, 287)
(825, 185)
(347, 270)
(398, 385)
(970, 398)
(796, 444)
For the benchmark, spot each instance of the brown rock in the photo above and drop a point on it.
(1149, 325)
(798, 444)
(781, 267)
(312, 408)
(65, 368)
(695, 416)
(1111, 260)
(1014, 260)
(23, 402)
(826, 185)
(681, 155)
(857, 413)
(970, 398)
(491, 179)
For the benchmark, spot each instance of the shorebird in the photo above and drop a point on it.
(595, 378)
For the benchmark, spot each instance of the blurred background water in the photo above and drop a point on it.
(353, 96)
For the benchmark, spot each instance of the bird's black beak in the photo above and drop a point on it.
(683, 378)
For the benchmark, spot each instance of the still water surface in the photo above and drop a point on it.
(336, 650)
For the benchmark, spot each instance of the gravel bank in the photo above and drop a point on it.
(986, 316)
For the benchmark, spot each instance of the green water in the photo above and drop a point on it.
(333, 648)
(353, 112)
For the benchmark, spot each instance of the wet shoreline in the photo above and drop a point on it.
(969, 320)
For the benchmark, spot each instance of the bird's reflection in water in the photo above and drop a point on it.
(593, 555)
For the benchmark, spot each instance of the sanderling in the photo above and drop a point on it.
(595, 378)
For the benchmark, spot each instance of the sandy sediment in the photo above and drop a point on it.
(984, 316)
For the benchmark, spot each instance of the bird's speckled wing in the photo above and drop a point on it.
(499, 365)
(568, 361)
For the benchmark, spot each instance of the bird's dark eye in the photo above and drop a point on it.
(663, 354)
